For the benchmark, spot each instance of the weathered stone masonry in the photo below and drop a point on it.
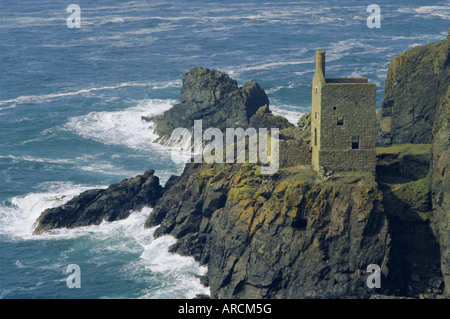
(343, 120)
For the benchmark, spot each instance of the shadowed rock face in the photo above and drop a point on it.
(416, 109)
(416, 81)
(94, 206)
(213, 97)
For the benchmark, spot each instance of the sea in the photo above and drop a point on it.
(71, 101)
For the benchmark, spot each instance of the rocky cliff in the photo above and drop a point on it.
(415, 109)
(290, 235)
(439, 178)
(297, 234)
(416, 81)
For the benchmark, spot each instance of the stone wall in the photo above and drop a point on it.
(294, 153)
(343, 121)
(348, 160)
(354, 105)
(344, 114)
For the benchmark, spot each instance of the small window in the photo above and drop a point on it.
(315, 137)
(355, 142)
(316, 116)
(317, 90)
(334, 108)
(340, 121)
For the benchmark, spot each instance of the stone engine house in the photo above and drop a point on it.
(343, 117)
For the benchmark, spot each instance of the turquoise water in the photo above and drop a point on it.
(71, 102)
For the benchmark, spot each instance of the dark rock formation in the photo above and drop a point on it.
(264, 118)
(289, 235)
(213, 97)
(440, 183)
(94, 206)
(415, 83)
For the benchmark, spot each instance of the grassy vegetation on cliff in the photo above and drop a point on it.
(417, 196)
(417, 150)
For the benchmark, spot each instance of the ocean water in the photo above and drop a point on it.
(71, 102)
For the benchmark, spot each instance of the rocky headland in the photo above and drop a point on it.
(297, 233)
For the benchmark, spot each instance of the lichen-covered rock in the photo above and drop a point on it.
(97, 205)
(416, 81)
(287, 235)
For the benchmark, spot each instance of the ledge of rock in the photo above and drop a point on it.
(94, 206)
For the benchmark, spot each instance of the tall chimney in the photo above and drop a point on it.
(320, 62)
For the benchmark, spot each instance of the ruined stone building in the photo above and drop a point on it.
(343, 117)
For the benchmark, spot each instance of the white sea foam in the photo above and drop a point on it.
(275, 89)
(439, 11)
(108, 169)
(291, 116)
(272, 65)
(427, 11)
(12, 106)
(17, 217)
(113, 20)
(28, 158)
(123, 127)
(52, 96)
(157, 259)
(24, 21)
(130, 236)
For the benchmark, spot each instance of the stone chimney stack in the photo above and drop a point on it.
(320, 62)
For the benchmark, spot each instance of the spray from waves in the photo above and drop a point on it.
(291, 116)
(18, 214)
(99, 243)
(127, 128)
(124, 127)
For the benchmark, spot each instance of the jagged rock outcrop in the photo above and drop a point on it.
(94, 206)
(213, 97)
(287, 235)
(416, 81)
(439, 177)
(264, 118)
